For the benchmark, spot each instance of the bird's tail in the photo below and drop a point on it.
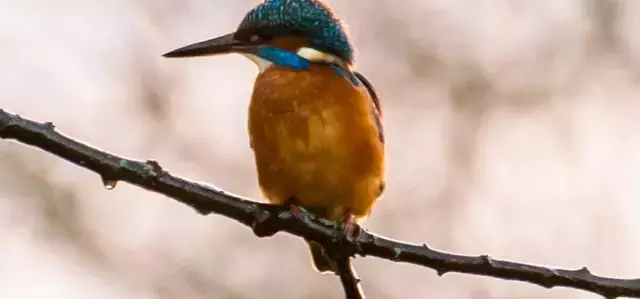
(321, 262)
(341, 267)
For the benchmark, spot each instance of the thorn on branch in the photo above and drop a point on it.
(49, 126)
(584, 271)
(487, 260)
(153, 168)
(441, 271)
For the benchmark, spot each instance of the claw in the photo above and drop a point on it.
(295, 210)
(350, 227)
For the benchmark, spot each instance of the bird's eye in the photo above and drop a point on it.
(254, 38)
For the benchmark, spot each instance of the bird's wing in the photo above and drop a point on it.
(377, 108)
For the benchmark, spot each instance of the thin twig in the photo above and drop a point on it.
(266, 220)
(349, 279)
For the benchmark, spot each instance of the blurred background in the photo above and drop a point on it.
(512, 129)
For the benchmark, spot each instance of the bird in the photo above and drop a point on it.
(314, 122)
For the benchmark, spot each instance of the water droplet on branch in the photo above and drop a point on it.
(109, 184)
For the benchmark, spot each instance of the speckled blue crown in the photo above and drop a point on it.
(312, 18)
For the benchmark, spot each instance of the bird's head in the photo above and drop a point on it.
(291, 33)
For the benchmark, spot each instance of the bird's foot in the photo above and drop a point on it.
(295, 210)
(294, 207)
(350, 228)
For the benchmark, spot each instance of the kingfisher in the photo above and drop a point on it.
(314, 123)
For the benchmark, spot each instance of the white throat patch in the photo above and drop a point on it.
(262, 63)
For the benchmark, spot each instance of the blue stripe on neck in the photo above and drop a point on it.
(284, 58)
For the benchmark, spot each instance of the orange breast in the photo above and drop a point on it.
(315, 139)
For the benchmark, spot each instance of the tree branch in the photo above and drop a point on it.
(266, 220)
(348, 277)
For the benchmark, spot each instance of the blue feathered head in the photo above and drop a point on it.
(312, 20)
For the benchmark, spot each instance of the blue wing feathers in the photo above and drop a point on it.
(376, 107)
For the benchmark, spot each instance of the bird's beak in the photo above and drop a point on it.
(220, 45)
